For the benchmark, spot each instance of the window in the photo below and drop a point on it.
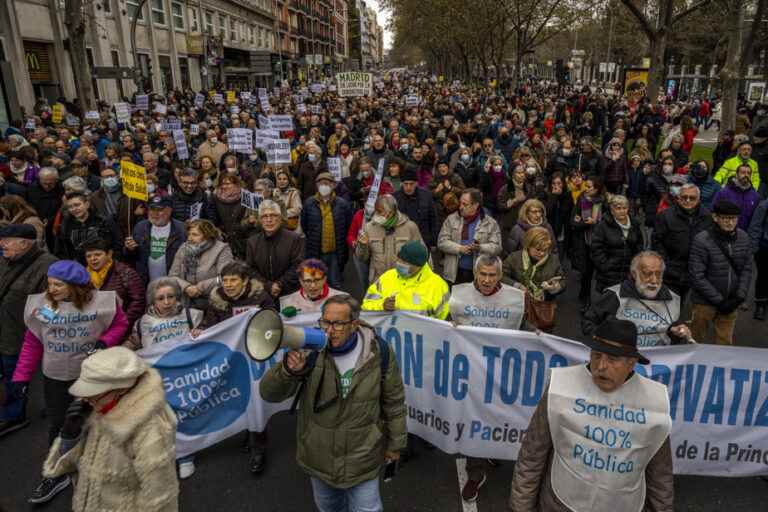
(158, 12)
(107, 6)
(222, 26)
(270, 40)
(250, 35)
(208, 22)
(133, 8)
(91, 64)
(194, 23)
(116, 62)
(233, 30)
(177, 11)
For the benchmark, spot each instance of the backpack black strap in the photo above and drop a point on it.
(720, 245)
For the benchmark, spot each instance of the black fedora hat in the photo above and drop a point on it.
(617, 338)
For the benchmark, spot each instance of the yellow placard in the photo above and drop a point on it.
(231, 97)
(441, 78)
(211, 94)
(58, 113)
(134, 179)
(635, 83)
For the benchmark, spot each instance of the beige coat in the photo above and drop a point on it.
(382, 247)
(532, 486)
(487, 234)
(126, 459)
(215, 152)
(210, 265)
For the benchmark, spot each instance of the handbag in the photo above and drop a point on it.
(540, 313)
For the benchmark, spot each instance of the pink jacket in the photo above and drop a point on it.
(32, 349)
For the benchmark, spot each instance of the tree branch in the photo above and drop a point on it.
(645, 25)
(677, 17)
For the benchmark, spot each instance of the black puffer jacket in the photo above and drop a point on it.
(182, 205)
(672, 238)
(713, 279)
(420, 208)
(312, 223)
(612, 253)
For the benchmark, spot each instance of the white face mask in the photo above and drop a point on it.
(497, 168)
(379, 219)
(254, 157)
(312, 157)
(214, 140)
(667, 169)
(231, 170)
(324, 190)
(208, 183)
(151, 188)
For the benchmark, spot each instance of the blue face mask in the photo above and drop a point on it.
(403, 270)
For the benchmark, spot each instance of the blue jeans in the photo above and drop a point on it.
(334, 272)
(13, 408)
(363, 497)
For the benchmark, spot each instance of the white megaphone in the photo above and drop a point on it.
(266, 334)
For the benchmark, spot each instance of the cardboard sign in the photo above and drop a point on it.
(73, 120)
(194, 129)
(231, 97)
(142, 102)
(199, 101)
(249, 199)
(353, 83)
(58, 113)
(283, 123)
(264, 123)
(123, 112)
(218, 99)
(92, 115)
(134, 178)
(240, 140)
(181, 144)
(279, 152)
(264, 137)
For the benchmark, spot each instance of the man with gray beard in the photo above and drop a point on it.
(644, 300)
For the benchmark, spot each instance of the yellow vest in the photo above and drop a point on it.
(728, 170)
(424, 292)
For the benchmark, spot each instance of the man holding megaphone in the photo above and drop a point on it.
(352, 415)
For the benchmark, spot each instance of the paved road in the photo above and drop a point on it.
(429, 483)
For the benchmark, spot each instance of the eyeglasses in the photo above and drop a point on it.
(689, 199)
(336, 325)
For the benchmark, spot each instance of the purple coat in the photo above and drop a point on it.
(747, 201)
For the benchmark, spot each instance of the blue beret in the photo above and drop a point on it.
(70, 272)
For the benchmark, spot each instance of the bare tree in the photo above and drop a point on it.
(76, 19)
(658, 35)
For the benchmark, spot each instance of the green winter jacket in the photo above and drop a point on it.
(342, 441)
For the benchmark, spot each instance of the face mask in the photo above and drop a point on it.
(312, 157)
(667, 169)
(566, 152)
(231, 170)
(110, 183)
(208, 183)
(214, 140)
(403, 270)
(324, 190)
(151, 188)
(404, 147)
(465, 158)
(379, 219)
(674, 190)
(530, 171)
(497, 168)
(254, 158)
(699, 172)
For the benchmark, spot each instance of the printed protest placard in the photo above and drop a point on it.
(354, 83)
(194, 129)
(264, 137)
(334, 167)
(279, 152)
(199, 101)
(142, 102)
(134, 178)
(181, 144)
(231, 97)
(240, 140)
(58, 113)
(123, 112)
(283, 123)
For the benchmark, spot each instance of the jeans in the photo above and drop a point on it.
(363, 497)
(57, 400)
(331, 261)
(13, 408)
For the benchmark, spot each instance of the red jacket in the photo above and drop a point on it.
(358, 219)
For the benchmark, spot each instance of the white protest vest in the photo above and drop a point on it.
(304, 305)
(71, 334)
(502, 310)
(153, 329)
(652, 321)
(604, 441)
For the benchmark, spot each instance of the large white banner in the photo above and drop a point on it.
(472, 390)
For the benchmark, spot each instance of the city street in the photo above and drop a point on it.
(430, 482)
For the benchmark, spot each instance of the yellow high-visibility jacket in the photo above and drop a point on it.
(424, 292)
(728, 170)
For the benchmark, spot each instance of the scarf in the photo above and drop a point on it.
(529, 271)
(192, 259)
(328, 233)
(468, 222)
(390, 222)
(346, 348)
(624, 227)
(323, 294)
(99, 276)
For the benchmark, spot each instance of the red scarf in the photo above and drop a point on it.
(323, 295)
(468, 221)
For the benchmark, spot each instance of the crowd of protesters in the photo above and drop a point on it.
(516, 188)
